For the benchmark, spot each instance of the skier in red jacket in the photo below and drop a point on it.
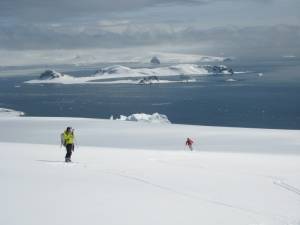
(189, 142)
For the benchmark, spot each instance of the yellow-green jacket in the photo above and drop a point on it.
(69, 138)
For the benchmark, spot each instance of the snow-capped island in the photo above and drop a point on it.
(52, 76)
(122, 74)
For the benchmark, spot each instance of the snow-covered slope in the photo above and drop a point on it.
(234, 176)
(104, 133)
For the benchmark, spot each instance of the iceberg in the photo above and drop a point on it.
(142, 117)
(10, 113)
(230, 80)
(289, 56)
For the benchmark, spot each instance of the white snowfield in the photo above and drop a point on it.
(127, 173)
(122, 73)
(180, 69)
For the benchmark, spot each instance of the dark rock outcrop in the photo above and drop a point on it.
(50, 74)
(155, 60)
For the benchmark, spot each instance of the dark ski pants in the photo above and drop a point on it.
(69, 148)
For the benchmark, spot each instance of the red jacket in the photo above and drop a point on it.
(189, 142)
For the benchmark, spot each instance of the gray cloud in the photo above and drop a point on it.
(56, 10)
(46, 10)
(244, 26)
(265, 40)
(250, 41)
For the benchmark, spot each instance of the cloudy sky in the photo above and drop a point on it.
(230, 27)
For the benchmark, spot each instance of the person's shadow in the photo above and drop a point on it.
(50, 161)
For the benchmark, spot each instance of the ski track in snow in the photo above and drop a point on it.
(194, 196)
(286, 186)
(176, 164)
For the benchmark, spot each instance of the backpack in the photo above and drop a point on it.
(62, 140)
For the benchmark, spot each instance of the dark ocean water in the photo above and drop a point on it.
(268, 101)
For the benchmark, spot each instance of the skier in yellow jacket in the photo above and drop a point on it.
(68, 142)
